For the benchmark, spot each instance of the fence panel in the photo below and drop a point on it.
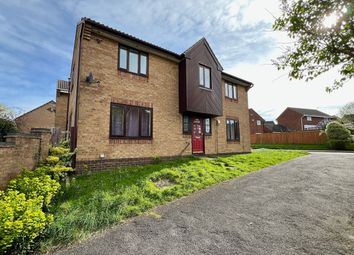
(296, 137)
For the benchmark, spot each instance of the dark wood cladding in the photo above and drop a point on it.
(194, 98)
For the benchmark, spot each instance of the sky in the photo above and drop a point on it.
(37, 38)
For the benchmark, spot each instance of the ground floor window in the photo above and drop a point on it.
(130, 121)
(207, 126)
(232, 130)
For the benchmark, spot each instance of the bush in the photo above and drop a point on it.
(338, 135)
(21, 220)
(26, 203)
(35, 185)
(52, 160)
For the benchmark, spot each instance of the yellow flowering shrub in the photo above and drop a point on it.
(21, 220)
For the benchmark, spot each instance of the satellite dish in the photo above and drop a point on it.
(89, 78)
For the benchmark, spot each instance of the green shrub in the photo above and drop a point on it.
(64, 155)
(52, 160)
(24, 206)
(21, 220)
(338, 135)
(35, 185)
(58, 151)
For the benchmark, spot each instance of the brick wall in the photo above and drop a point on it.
(254, 117)
(160, 90)
(41, 117)
(61, 110)
(22, 151)
(290, 119)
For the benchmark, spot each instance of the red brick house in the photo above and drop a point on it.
(296, 119)
(131, 101)
(256, 122)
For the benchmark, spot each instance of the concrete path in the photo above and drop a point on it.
(303, 206)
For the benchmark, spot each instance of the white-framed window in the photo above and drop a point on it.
(204, 77)
(230, 90)
(207, 126)
(309, 118)
(259, 123)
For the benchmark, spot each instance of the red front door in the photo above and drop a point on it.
(197, 136)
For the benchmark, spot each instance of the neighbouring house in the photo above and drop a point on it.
(296, 119)
(256, 122)
(62, 95)
(131, 101)
(270, 127)
(41, 117)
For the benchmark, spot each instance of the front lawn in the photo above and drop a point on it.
(95, 201)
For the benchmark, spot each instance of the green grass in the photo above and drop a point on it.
(95, 201)
(292, 146)
(298, 146)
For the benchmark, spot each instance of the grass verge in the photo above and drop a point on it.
(95, 201)
(292, 146)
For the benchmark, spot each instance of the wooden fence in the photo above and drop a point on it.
(296, 137)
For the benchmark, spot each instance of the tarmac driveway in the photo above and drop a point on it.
(303, 206)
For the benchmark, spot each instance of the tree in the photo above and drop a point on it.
(323, 32)
(7, 122)
(347, 111)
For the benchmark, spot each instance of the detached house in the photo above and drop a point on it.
(296, 119)
(41, 117)
(131, 101)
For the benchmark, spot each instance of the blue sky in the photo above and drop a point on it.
(37, 40)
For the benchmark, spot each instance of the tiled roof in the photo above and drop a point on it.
(174, 54)
(310, 112)
(128, 36)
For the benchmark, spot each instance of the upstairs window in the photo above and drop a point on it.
(204, 77)
(309, 118)
(232, 130)
(259, 123)
(132, 61)
(230, 90)
(130, 121)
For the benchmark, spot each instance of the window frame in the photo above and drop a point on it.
(203, 85)
(139, 137)
(189, 131)
(308, 118)
(210, 123)
(258, 122)
(234, 90)
(140, 53)
(190, 125)
(237, 130)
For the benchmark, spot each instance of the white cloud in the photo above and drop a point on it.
(239, 32)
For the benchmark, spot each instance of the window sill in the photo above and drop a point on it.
(122, 140)
(204, 88)
(231, 99)
(120, 70)
(233, 142)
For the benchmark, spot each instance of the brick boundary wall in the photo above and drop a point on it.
(110, 164)
(22, 151)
